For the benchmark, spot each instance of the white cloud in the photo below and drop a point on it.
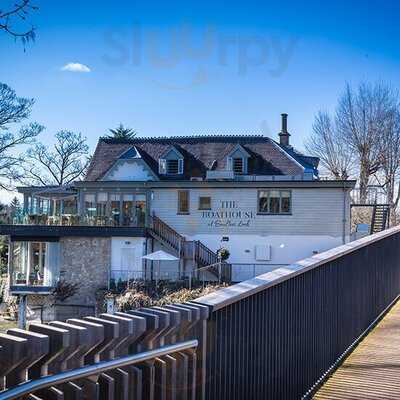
(75, 67)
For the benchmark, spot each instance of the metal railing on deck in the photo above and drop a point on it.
(244, 271)
(276, 335)
(123, 279)
(74, 220)
(68, 377)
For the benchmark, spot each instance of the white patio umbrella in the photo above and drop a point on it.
(159, 256)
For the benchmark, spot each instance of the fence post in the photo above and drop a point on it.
(22, 311)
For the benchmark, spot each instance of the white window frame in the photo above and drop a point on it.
(280, 202)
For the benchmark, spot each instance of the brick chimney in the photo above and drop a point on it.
(284, 134)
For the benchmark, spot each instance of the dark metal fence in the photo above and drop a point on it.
(271, 337)
(274, 336)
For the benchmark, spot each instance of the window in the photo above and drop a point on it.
(274, 202)
(128, 208)
(173, 166)
(237, 165)
(286, 206)
(70, 206)
(102, 204)
(34, 263)
(204, 203)
(115, 208)
(90, 205)
(183, 202)
(140, 209)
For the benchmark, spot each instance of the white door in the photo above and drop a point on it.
(128, 258)
(128, 269)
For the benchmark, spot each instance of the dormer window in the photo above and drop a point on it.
(237, 165)
(238, 160)
(172, 167)
(171, 163)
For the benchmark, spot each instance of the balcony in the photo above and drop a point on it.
(30, 225)
(139, 220)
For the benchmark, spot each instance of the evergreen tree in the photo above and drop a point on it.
(122, 132)
(15, 207)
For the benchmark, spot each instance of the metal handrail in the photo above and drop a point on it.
(94, 369)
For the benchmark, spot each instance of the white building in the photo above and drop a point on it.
(260, 199)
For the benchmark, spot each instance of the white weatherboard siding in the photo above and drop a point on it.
(285, 249)
(315, 225)
(316, 211)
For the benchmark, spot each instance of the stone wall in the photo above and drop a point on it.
(86, 262)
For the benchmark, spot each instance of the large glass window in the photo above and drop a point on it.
(90, 204)
(274, 202)
(115, 208)
(34, 263)
(128, 210)
(70, 206)
(183, 202)
(102, 204)
(140, 209)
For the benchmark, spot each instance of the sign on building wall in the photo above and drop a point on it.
(228, 214)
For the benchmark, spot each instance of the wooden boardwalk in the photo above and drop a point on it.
(372, 371)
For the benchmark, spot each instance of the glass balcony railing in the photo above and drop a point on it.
(138, 220)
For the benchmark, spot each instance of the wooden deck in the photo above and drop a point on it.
(372, 371)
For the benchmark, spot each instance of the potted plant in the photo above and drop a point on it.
(223, 254)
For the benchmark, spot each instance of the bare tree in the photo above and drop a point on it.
(360, 116)
(12, 18)
(389, 175)
(326, 144)
(14, 109)
(60, 165)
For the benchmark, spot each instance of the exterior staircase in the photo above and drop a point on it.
(380, 218)
(188, 249)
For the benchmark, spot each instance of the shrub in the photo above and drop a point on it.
(179, 297)
(131, 299)
(3, 269)
(166, 294)
(63, 290)
(12, 307)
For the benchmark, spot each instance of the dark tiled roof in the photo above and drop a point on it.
(202, 152)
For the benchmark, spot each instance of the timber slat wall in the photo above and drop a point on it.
(45, 350)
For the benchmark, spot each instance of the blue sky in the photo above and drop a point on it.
(181, 68)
